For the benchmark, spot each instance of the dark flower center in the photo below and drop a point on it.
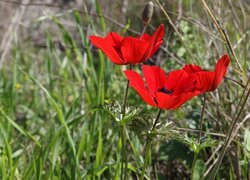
(166, 91)
(163, 90)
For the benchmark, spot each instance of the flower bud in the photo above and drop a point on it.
(148, 12)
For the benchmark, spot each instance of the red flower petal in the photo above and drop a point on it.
(205, 80)
(155, 78)
(166, 101)
(155, 48)
(114, 38)
(145, 37)
(185, 97)
(158, 35)
(137, 83)
(220, 70)
(174, 79)
(209, 80)
(191, 68)
(107, 46)
(134, 50)
(156, 40)
(186, 85)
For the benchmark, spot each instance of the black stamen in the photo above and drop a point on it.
(165, 90)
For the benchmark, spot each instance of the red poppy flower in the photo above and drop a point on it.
(174, 89)
(129, 50)
(209, 80)
(163, 91)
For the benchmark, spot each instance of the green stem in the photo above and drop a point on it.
(122, 133)
(125, 100)
(157, 118)
(147, 148)
(193, 164)
(232, 127)
(143, 31)
(124, 154)
(199, 136)
(122, 151)
(126, 96)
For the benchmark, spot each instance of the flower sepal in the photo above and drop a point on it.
(114, 109)
(142, 126)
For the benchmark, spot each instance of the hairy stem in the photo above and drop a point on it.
(157, 119)
(124, 154)
(193, 164)
(199, 137)
(122, 133)
(143, 31)
(125, 100)
(147, 148)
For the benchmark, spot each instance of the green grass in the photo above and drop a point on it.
(59, 104)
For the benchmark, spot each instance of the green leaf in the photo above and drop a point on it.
(56, 151)
(199, 169)
(19, 128)
(99, 149)
(60, 117)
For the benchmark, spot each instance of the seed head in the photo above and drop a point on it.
(148, 12)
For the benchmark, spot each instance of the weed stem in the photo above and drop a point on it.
(122, 133)
(199, 137)
(148, 143)
(231, 130)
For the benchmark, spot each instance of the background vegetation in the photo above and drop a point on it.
(53, 81)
